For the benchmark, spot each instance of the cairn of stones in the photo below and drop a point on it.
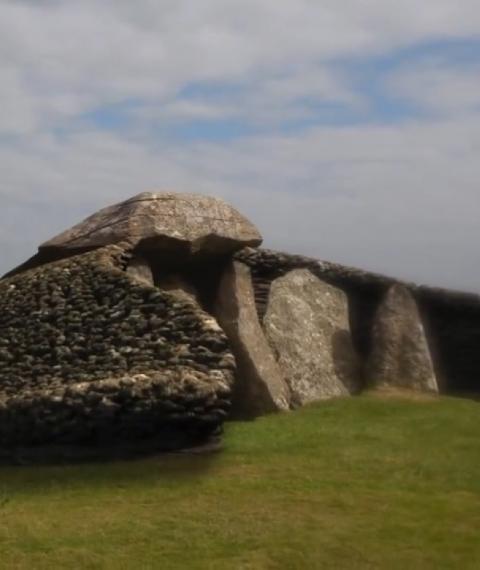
(155, 320)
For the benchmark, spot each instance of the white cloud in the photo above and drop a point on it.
(261, 101)
(73, 56)
(403, 198)
(439, 86)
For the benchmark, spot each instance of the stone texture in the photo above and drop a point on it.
(176, 284)
(306, 323)
(200, 223)
(75, 329)
(260, 386)
(453, 316)
(140, 270)
(181, 404)
(400, 355)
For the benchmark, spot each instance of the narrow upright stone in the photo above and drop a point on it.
(400, 356)
(260, 386)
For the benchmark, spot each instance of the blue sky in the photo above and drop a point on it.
(366, 77)
(346, 130)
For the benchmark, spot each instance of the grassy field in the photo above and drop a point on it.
(353, 483)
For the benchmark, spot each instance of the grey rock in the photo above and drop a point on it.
(62, 366)
(140, 270)
(177, 285)
(400, 356)
(260, 385)
(307, 325)
(201, 223)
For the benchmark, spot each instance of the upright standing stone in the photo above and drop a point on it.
(260, 385)
(400, 356)
(307, 325)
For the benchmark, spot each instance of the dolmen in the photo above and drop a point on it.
(154, 320)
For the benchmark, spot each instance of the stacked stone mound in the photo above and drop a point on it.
(89, 355)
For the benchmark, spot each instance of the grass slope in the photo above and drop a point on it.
(353, 483)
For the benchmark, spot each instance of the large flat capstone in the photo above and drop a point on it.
(400, 356)
(306, 323)
(260, 386)
(201, 223)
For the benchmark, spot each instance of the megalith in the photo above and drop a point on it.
(162, 220)
(260, 386)
(306, 324)
(400, 355)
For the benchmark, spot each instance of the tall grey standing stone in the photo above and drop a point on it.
(400, 356)
(260, 386)
(307, 325)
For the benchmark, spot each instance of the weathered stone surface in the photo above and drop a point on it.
(260, 385)
(200, 223)
(453, 316)
(87, 353)
(400, 354)
(176, 284)
(181, 404)
(306, 323)
(140, 270)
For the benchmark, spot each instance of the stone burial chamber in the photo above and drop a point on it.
(154, 320)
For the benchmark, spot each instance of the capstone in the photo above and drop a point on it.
(162, 221)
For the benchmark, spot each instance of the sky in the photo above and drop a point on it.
(347, 130)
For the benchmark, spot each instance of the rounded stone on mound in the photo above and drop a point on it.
(307, 325)
(200, 223)
(400, 355)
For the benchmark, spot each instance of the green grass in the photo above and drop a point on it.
(354, 483)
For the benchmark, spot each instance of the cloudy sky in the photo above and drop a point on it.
(348, 130)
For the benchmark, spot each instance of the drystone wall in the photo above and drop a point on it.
(87, 354)
(451, 319)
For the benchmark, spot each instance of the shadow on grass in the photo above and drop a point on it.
(47, 469)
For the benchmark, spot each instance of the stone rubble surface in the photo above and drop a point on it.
(84, 320)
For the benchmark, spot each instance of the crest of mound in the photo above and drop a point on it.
(198, 223)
